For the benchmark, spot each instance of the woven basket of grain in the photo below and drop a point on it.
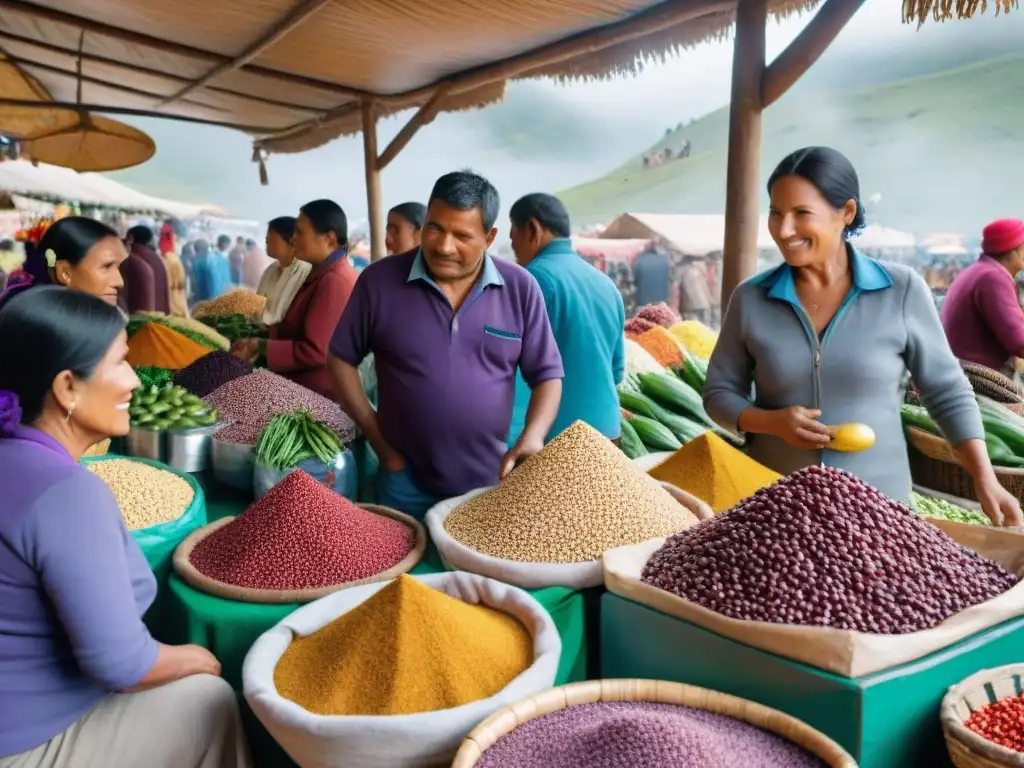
(966, 748)
(993, 384)
(934, 464)
(504, 721)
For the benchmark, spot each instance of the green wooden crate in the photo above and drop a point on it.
(888, 719)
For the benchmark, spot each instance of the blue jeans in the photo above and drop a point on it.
(398, 491)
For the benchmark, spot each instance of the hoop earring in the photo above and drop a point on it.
(71, 410)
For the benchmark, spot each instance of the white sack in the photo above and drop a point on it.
(390, 741)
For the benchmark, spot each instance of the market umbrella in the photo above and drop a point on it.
(19, 122)
(91, 143)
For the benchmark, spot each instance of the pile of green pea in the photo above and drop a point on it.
(169, 407)
(926, 506)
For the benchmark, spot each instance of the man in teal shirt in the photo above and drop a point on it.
(586, 314)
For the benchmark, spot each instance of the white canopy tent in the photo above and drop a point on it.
(47, 182)
(689, 234)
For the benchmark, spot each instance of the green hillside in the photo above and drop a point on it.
(944, 150)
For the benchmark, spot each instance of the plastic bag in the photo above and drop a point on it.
(391, 741)
(341, 476)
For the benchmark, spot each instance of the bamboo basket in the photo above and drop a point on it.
(966, 748)
(934, 464)
(505, 720)
(196, 580)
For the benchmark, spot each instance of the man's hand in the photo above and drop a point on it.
(391, 460)
(525, 447)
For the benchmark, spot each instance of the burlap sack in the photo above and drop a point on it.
(845, 653)
(458, 556)
(204, 583)
(391, 741)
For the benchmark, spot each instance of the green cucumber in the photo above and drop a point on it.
(654, 435)
(630, 441)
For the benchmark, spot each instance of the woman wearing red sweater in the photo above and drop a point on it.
(981, 314)
(297, 348)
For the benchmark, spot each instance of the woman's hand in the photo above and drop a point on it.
(999, 504)
(246, 349)
(799, 427)
(200, 661)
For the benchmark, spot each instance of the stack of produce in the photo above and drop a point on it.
(161, 347)
(822, 548)
(294, 437)
(211, 372)
(696, 337)
(146, 494)
(639, 360)
(714, 471)
(993, 384)
(570, 503)
(610, 734)
(237, 302)
(408, 649)
(302, 535)
(1004, 430)
(926, 506)
(186, 326)
(154, 377)
(635, 326)
(252, 401)
(1001, 722)
(169, 407)
(663, 347)
(660, 314)
(234, 327)
(667, 412)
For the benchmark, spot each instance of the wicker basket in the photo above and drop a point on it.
(505, 720)
(934, 464)
(966, 748)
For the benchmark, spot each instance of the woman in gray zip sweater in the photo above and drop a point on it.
(828, 338)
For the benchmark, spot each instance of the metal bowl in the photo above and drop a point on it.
(188, 450)
(233, 463)
(341, 476)
(145, 443)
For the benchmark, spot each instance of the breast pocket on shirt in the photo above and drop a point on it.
(501, 348)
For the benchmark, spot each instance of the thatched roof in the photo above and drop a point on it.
(919, 11)
(293, 73)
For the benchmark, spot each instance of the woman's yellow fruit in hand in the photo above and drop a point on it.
(851, 437)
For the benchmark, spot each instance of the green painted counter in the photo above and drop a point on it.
(889, 719)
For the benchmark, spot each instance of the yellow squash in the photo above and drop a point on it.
(851, 437)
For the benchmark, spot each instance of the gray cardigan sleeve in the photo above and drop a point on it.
(727, 390)
(944, 388)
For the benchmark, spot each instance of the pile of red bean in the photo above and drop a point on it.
(255, 399)
(302, 535)
(822, 548)
(211, 372)
(1001, 722)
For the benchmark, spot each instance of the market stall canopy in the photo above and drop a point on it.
(49, 182)
(612, 251)
(295, 74)
(878, 237)
(689, 234)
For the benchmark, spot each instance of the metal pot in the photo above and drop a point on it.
(341, 476)
(233, 463)
(146, 443)
(188, 450)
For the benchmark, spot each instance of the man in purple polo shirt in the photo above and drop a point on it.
(448, 326)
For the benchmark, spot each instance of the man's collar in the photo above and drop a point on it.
(561, 246)
(868, 275)
(489, 276)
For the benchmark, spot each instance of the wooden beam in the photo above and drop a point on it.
(423, 116)
(742, 186)
(71, 106)
(138, 38)
(790, 65)
(93, 58)
(293, 19)
(374, 195)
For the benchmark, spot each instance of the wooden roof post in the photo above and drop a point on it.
(374, 195)
(742, 186)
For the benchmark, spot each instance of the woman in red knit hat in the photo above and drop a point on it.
(981, 314)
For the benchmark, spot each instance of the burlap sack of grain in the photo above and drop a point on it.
(393, 741)
(845, 653)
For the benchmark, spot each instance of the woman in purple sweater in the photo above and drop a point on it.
(82, 682)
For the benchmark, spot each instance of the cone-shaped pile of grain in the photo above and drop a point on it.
(576, 499)
(712, 470)
(407, 649)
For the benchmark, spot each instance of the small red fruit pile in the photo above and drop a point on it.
(1001, 722)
